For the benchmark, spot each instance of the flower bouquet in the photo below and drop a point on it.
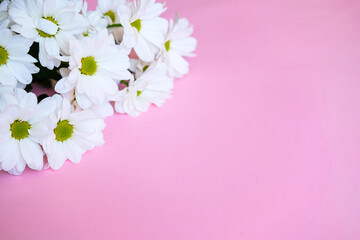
(123, 56)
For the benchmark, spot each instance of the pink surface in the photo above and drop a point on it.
(260, 141)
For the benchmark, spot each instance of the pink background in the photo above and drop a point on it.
(260, 141)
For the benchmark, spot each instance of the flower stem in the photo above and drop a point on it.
(115, 25)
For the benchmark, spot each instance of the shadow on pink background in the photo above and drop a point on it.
(261, 141)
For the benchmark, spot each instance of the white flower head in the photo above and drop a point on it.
(96, 68)
(151, 87)
(178, 44)
(16, 65)
(23, 122)
(144, 30)
(51, 23)
(74, 133)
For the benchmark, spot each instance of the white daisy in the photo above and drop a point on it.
(144, 30)
(22, 123)
(96, 67)
(51, 23)
(4, 10)
(152, 87)
(178, 44)
(16, 65)
(73, 135)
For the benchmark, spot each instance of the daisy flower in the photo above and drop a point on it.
(178, 44)
(22, 123)
(144, 30)
(16, 65)
(152, 87)
(51, 23)
(96, 68)
(74, 134)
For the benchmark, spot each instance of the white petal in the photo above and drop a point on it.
(52, 48)
(143, 50)
(32, 154)
(72, 151)
(83, 101)
(64, 86)
(56, 157)
(19, 168)
(6, 77)
(10, 154)
(46, 26)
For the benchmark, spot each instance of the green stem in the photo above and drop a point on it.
(115, 25)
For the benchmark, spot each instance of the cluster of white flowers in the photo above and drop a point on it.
(84, 56)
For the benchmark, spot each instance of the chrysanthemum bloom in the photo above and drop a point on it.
(51, 23)
(23, 122)
(144, 30)
(178, 44)
(96, 68)
(16, 65)
(74, 134)
(152, 87)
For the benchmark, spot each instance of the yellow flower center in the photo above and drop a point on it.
(88, 66)
(139, 93)
(20, 129)
(63, 131)
(136, 24)
(44, 34)
(4, 56)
